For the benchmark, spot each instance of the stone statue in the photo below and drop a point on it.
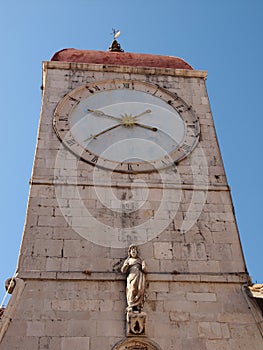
(134, 267)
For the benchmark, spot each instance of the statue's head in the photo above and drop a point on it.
(133, 251)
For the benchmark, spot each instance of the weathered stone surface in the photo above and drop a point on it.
(80, 343)
(201, 296)
(74, 293)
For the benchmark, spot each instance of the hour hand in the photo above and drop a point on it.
(146, 126)
(102, 132)
(102, 114)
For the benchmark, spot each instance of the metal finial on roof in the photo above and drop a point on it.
(115, 46)
(115, 33)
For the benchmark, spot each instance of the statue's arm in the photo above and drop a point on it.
(125, 266)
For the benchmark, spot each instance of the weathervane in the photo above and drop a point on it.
(115, 46)
(115, 33)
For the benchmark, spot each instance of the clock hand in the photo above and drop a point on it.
(102, 132)
(146, 126)
(139, 115)
(102, 114)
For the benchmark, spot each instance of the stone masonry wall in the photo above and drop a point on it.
(185, 213)
(80, 221)
(63, 314)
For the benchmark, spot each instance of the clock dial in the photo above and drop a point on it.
(126, 126)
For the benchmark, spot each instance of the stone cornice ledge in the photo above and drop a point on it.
(124, 69)
(231, 277)
(152, 185)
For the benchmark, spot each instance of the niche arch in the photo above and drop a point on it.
(136, 343)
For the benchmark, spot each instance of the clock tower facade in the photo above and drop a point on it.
(127, 156)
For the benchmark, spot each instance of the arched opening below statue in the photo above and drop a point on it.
(136, 343)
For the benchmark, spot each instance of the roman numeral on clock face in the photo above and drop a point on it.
(73, 99)
(186, 148)
(95, 159)
(63, 119)
(70, 142)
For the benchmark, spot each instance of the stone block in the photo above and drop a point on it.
(159, 287)
(163, 250)
(44, 343)
(219, 226)
(19, 343)
(224, 217)
(154, 305)
(233, 344)
(80, 328)
(32, 220)
(76, 247)
(56, 328)
(179, 316)
(106, 305)
(52, 221)
(224, 236)
(18, 328)
(203, 315)
(54, 264)
(47, 247)
(235, 317)
(180, 266)
(34, 263)
(75, 305)
(213, 330)
(204, 266)
(115, 329)
(222, 252)
(40, 232)
(35, 328)
(64, 233)
(225, 330)
(194, 343)
(178, 306)
(101, 342)
(194, 251)
(54, 343)
(208, 297)
(79, 343)
(232, 266)
(236, 252)
(189, 251)
(207, 307)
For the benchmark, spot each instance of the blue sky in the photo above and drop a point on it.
(223, 37)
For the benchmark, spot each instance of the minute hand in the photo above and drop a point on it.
(139, 115)
(102, 132)
(102, 114)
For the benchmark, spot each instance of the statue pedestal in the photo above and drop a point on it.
(135, 323)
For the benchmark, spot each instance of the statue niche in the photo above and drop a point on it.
(135, 268)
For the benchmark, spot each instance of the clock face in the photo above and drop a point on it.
(126, 125)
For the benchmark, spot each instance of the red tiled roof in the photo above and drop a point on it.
(120, 58)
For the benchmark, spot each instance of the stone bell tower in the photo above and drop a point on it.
(127, 156)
